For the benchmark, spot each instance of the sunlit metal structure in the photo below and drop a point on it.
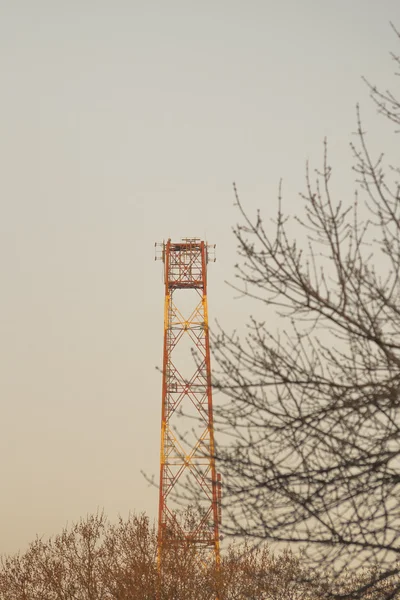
(187, 429)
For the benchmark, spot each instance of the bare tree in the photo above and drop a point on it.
(96, 560)
(311, 416)
(66, 567)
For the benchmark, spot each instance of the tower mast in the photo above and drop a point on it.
(187, 459)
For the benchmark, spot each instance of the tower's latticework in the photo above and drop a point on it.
(187, 444)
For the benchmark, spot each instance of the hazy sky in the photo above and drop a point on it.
(123, 123)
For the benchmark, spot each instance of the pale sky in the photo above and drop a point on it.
(121, 124)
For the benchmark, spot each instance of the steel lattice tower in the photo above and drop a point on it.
(188, 458)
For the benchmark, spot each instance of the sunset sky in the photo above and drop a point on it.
(124, 123)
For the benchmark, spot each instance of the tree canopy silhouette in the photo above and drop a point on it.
(311, 450)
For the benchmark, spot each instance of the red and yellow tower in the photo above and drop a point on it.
(187, 430)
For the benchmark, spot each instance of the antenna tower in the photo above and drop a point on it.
(187, 458)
